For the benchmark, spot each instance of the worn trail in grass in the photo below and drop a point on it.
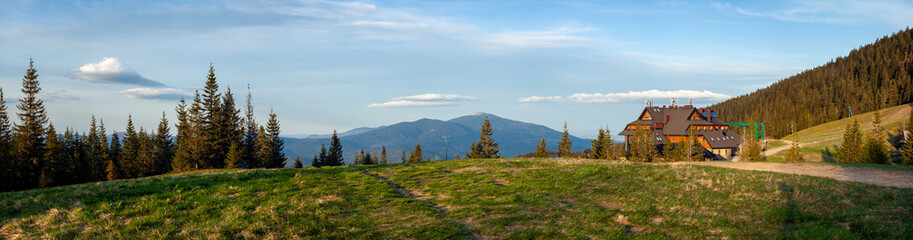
(488, 199)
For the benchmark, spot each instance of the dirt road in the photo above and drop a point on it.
(881, 177)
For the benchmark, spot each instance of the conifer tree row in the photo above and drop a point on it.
(210, 134)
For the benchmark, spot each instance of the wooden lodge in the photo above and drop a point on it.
(675, 122)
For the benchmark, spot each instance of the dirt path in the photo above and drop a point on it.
(773, 151)
(881, 177)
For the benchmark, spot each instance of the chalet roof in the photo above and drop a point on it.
(722, 138)
(679, 118)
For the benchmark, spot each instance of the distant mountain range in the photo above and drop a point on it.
(514, 138)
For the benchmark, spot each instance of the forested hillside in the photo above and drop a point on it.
(872, 77)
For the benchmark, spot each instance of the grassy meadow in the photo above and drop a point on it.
(476, 199)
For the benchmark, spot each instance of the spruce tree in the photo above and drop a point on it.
(276, 144)
(264, 148)
(752, 152)
(596, 151)
(403, 156)
(132, 147)
(852, 143)
(334, 156)
(358, 157)
(114, 169)
(52, 172)
(608, 145)
(249, 142)
(383, 155)
(564, 146)
(457, 156)
(76, 152)
(874, 149)
(485, 147)
(692, 151)
(668, 150)
(794, 154)
(541, 150)
(96, 151)
(183, 149)
(30, 132)
(643, 147)
(230, 130)
(214, 148)
(320, 159)
(416, 155)
(7, 168)
(298, 163)
(906, 152)
(233, 158)
(164, 147)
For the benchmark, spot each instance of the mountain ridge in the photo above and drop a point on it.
(439, 139)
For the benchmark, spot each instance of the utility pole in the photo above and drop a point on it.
(445, 146)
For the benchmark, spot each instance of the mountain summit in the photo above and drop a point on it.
(440, 139)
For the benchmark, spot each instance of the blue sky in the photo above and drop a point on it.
(324, 65)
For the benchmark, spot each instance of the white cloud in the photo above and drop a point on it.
(541, 99)
(112, 70)
(634, 96)
(424, 100)
(403, 103)
(894, 13)
(554, 38)
(155, 93)
(435, 97)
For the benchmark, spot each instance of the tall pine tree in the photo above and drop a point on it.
(276, 144)
(114, 169)
(541, 150)
(416, 155)
(164, 147)
(53, 172)
(485, 147)
(30, 132)
(214, 147)
(249, 143)
(852, 143)
(564, 146)
(334, 155)
(7, 167)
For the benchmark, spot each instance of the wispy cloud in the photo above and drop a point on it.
(155, 93)
(424, 100)
(554, 38)
(57, 95)
(435, 97)
(895, 13)
(632, 96)
(410, 104)
(112, 70)
(541, 99)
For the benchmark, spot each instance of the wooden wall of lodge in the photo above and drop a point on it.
(680, 139)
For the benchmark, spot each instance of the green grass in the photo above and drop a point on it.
(505, 198)
(830, 134)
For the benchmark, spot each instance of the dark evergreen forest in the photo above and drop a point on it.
(874, 76)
